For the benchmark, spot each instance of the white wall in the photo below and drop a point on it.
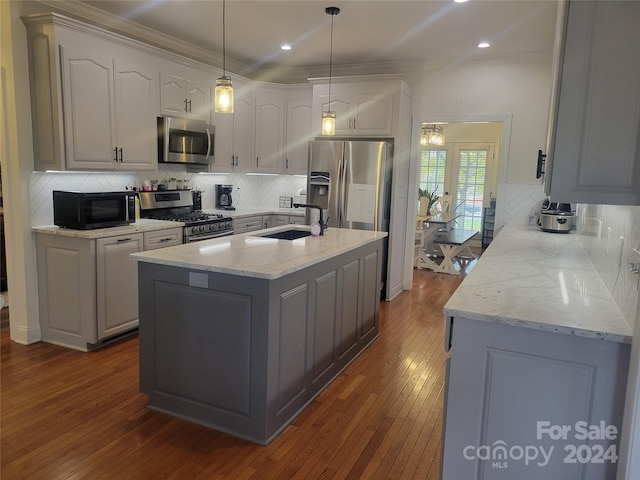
(519, 90)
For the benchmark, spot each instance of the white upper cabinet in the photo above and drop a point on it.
(185, 98)
(269, 134)
(136, 97)
(87, 80)
(110, 112)
(298, 135)
(594, 142)
(283, 129)
(90, 111)
(234, 133)
(362, 108)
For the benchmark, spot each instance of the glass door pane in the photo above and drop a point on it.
(472, 172)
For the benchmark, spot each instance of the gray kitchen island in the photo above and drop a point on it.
(241, 333)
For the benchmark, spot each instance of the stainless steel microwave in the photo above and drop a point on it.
(89, 210)
(185, 141)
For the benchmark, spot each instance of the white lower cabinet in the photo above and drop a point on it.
(88, 287)
(249, 224)
(162, 238)
(117, 284)
(279, 220)
(258, 222)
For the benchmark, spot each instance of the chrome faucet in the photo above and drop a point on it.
(307, 205)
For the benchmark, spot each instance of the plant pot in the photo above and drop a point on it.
(424, 206)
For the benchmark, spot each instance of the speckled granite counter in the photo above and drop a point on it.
(250, 255)
(142, 225)
(539, 280)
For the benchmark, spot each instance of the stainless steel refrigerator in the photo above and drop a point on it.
(351, 180)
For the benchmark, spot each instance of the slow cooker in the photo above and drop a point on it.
(556, 221)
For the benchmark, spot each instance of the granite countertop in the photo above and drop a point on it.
(546, 281)
(142, 225)
(250, 255)
(260, 210)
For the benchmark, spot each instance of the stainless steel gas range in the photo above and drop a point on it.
(177, 206)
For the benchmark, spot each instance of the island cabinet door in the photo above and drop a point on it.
(529, 404)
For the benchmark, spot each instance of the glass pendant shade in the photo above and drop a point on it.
(223, 102)
(328, 123)
(431, 134)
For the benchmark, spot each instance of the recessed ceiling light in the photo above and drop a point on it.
(285, 47)
(460, 1)
(484, 45)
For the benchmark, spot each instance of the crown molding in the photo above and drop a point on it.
(106, 21)
(128, 28)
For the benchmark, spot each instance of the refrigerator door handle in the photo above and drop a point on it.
(342, 182)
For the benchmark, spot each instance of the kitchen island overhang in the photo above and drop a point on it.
(245, 351)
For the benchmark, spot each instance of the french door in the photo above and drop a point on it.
(465, 171)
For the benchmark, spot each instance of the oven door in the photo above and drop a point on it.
(184, 141)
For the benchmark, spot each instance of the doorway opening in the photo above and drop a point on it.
(464, 168)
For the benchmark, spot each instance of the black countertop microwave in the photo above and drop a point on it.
(89, 210)
(185, 141)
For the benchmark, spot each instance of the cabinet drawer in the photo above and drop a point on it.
(162, 238)
(247, 224)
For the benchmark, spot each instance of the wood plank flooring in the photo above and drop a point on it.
(72, 415)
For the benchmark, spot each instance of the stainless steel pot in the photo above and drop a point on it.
(558, 222)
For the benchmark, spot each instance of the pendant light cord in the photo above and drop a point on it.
(224, 36)
(330, 61)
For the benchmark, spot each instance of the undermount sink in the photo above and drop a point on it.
(288, 234)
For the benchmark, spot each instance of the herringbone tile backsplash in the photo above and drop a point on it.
(249, 190)
(522, 200)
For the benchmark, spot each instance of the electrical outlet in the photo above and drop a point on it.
(285, 202)
(200, 280)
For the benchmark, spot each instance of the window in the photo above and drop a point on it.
(472, 173)
(465, 174)
(432, 171)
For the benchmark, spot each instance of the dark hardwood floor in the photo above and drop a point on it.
(72, 415)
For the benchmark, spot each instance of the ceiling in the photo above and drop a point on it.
(373, 33)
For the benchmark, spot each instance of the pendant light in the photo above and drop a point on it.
(431, 134)
(329, 117)
(223, 102)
